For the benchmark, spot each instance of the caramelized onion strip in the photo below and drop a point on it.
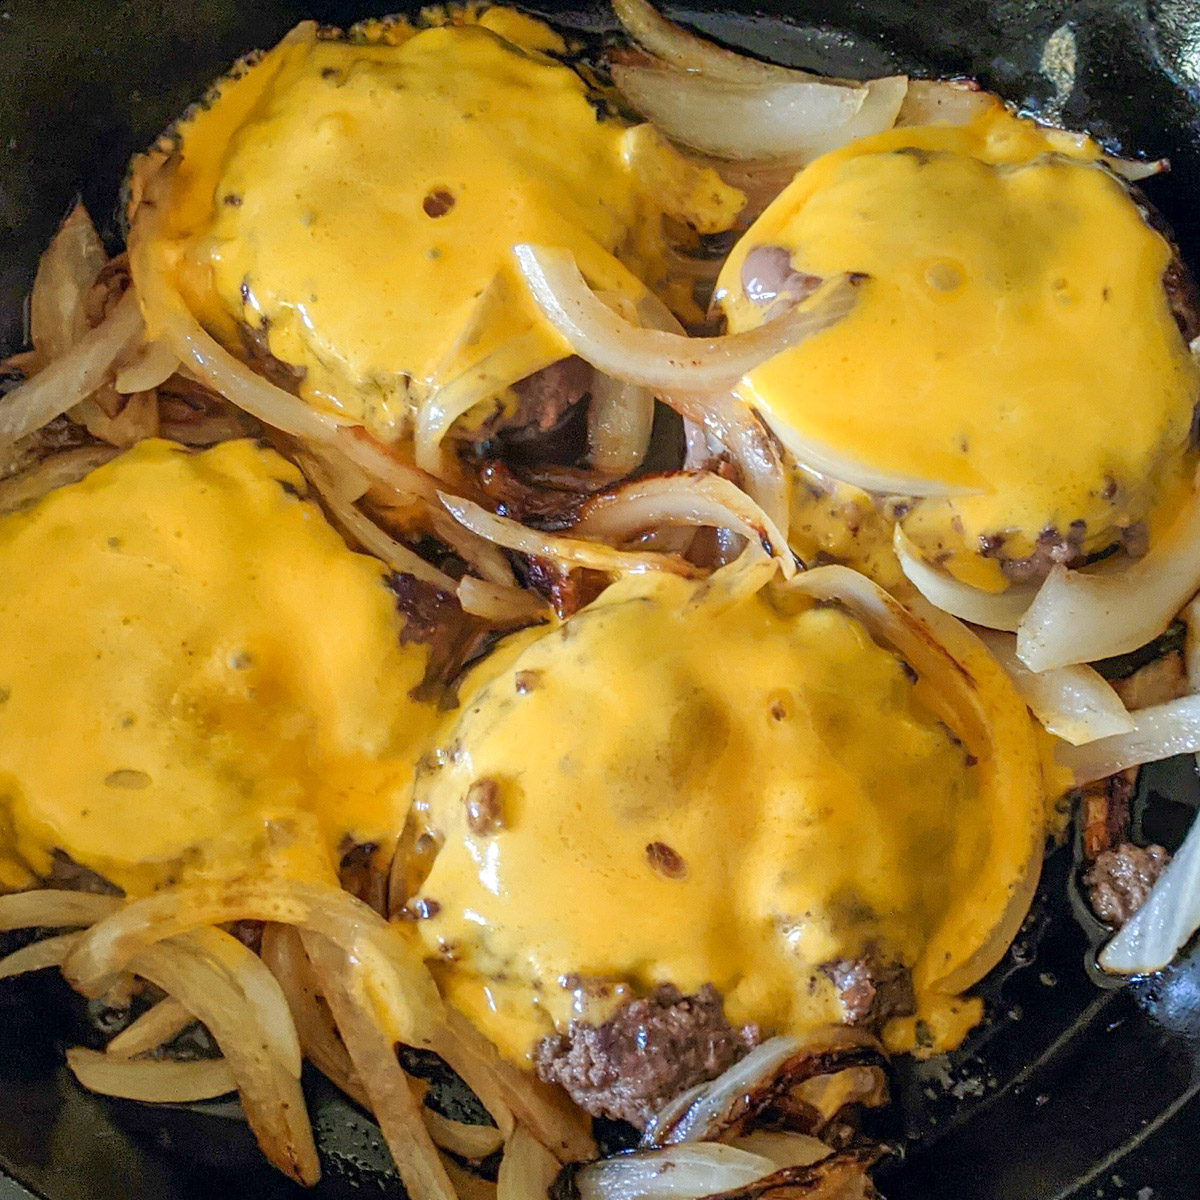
(373, 1056)
(73, 376)
(571, 552)
(150, 1080)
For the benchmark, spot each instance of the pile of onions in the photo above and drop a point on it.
(336, 984)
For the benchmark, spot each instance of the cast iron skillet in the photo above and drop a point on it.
(1073, 1087)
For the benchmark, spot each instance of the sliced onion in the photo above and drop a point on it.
(1135, 170)
(784, 1149)
(486, 380)
(155, 1082)
(368, 535)
(620, 420)
(374, 1057)
(1165, 923)
(404, 990)
(571, 552)
(1087, 615)
(527, 1170)
(153, 1029)
(406, 483)
(1074, 703)
(684, 1172)
(284, 955)
(700, 499)
(993, 610)
(685, 51)
(73, 376)
(59, 470)
(153, 365)
(136, 420)
(66, 273)
(971, 693)
(500, 605)
(1159, 732)
(650, 357)
(467, 1141)
(48, 952)
(766, 1079)
(798, 118)
(51, 908)
(943, 102)
(197, 968)
(513, 1096)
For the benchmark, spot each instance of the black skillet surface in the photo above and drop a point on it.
(1072, 1088)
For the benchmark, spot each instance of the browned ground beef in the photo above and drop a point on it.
(544, 399)
(634, 1063)
(1119, 881)
(871, 990)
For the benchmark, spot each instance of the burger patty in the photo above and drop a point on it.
(628, 1067)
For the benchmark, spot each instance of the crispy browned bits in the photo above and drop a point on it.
(484, 814)
(666, 861)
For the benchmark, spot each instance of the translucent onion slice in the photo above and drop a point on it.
(486, 380)
(500, 605)
(73, 376)
(49, 952)
(943, 102)
(284, 955)
(151, 367)
(731, 423)
(784, 1149)
(971, 693)
(620, 419)
(514, 1096)
(1087, 615)
(405, 992)
(571, 552)
(153, 1029)
(701, 499)
(65, 467)
(797, 119)
(368, 535)
(467, 1141)
(769, 1078)
(152, 1081)
(651, 357)
(527, 1170)
(51, 908)
(194, 968)
(1159, 732)
(993, 610)
(685, 1172)
(685, 51)
(374, 1057)
(1074, 703)
(1166, 921)
(66, 273)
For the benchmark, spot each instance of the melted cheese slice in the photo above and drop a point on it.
(196, 675)
(356, 203)
(1013, 339)
(692, 790)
